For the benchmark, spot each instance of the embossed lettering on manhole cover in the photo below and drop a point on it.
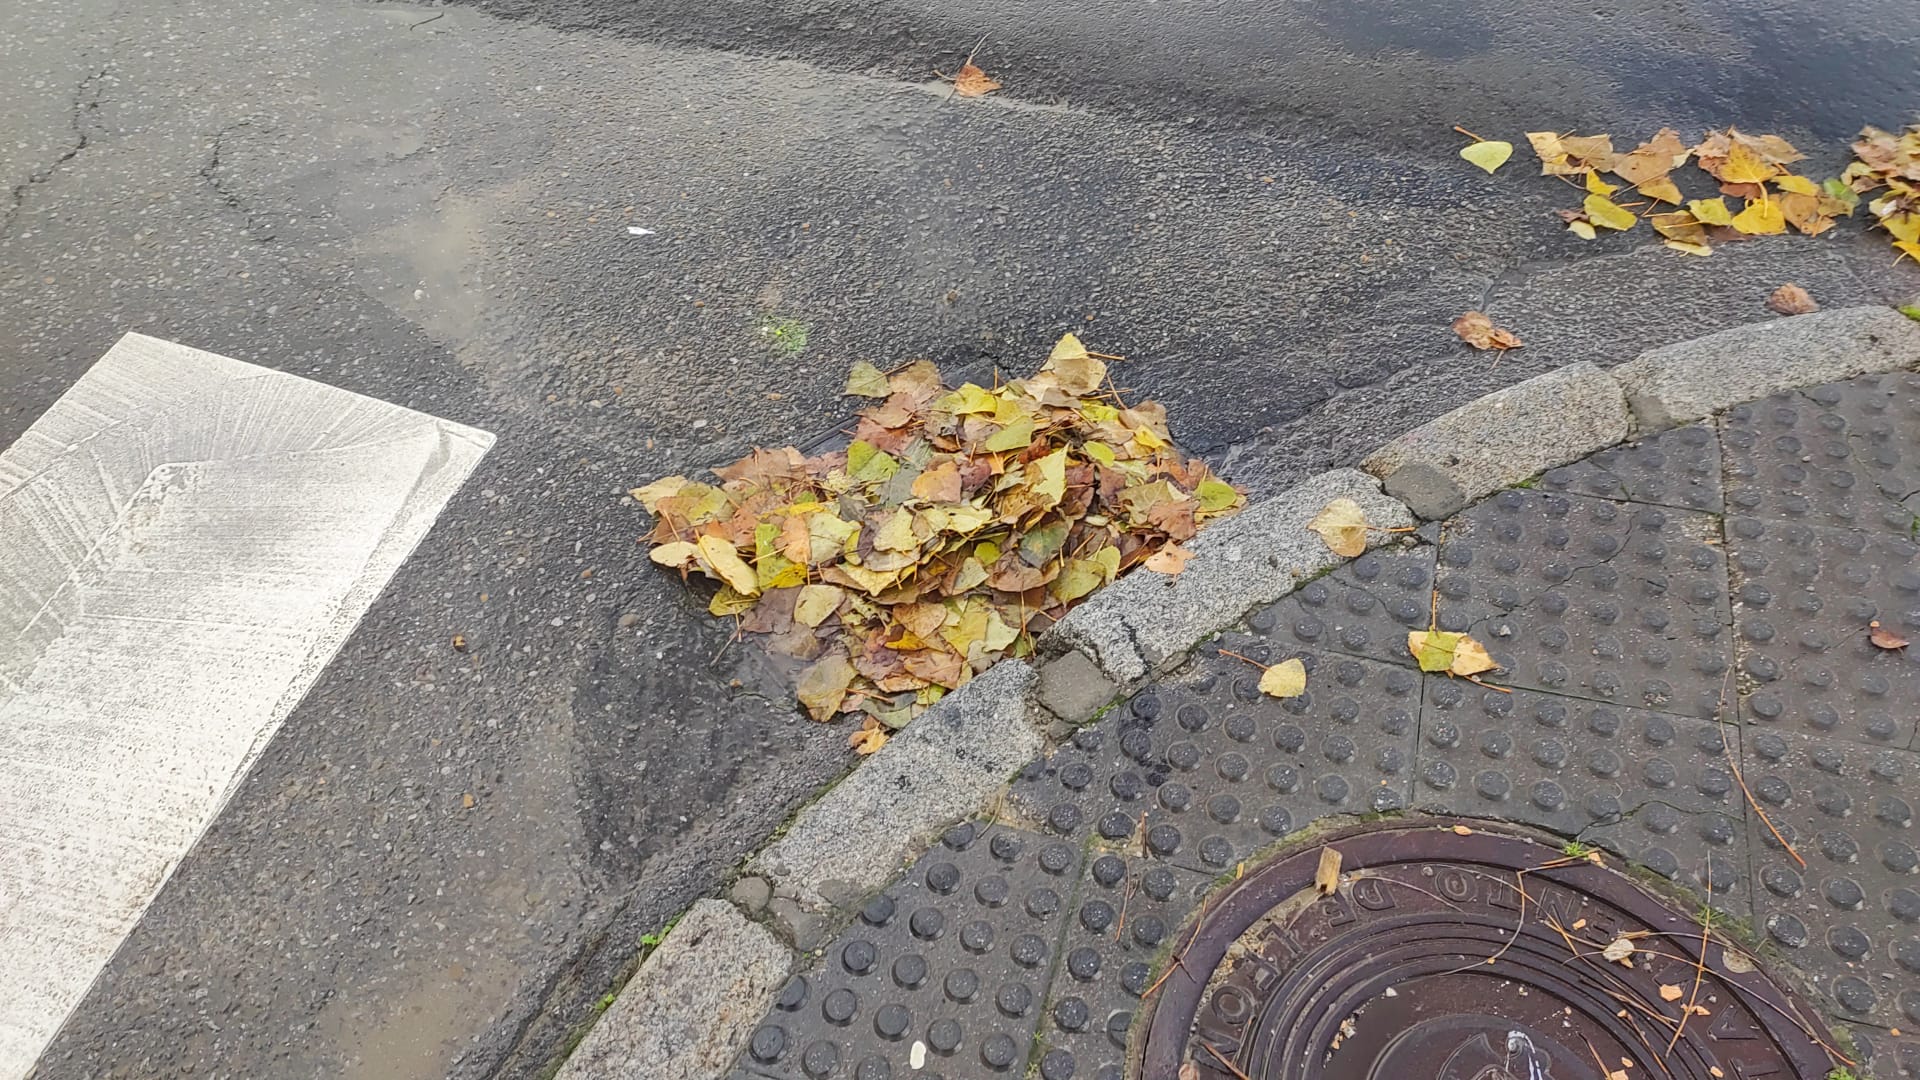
(1412, 969)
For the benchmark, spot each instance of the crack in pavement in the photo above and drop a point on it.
(86, 98)
(229, 198)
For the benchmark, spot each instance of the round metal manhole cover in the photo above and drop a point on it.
(1389, 979)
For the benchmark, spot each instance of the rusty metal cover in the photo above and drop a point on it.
(1412, 970)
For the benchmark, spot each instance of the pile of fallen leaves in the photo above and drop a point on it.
(1754, 169)
(955, 525)
(1886, 160)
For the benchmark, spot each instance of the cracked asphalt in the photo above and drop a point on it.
(1259, 206)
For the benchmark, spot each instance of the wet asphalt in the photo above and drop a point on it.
(1256, 203)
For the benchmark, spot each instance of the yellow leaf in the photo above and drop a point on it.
(1489, 154)
(868, 739)
(970, 399)
(727, 602)
(1663, 189)
(1286, 679)
(676, 554)
(1470, 658)
(1908, 248)
(896, 533)
(1078, 372)
(724, 563)
(1608, 215)
(1169, 560)
(1342, 525)
(1048, 476)
(663, 488)
(1689, 247)
(866, 381)
(1711, 211)
(1744, 166)
(1582, 229)
(1762, 217)
(1326, 876)
(1597, 186)
(1149, 440)
(868, 463)
(1217, 496)
(1799, 185)
(816, 602)
(1099, 452)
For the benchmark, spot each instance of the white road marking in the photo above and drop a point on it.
(185, 541)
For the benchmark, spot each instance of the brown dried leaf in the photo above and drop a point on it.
(1342, 525)
(1478, 331)
(1791, 299)
(970, 81)
(1882, 638)
(1670, 992)
(1169, 560)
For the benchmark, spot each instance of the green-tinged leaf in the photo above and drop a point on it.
(1911, 311)
(969, 400)
(816, 602)
(1108, 559)
(998, 634)
(868, 463)
(1711, 211)
(1015, 436)
(1432, 648)
(896, 533)
(1838, 191)
(1099, 413)
(1099, 452)
(987, 552)
(728, 602)
(1041, 544)
(867, 381)
(1216, 495)
(829, 538)
(719, 559)
(823, 687)
(1080, 577)
(1286, 679)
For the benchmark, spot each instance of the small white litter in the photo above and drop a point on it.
(635, 230)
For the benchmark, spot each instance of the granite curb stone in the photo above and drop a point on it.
(1143, 623)
(1686, 381)
(938, 769)
(694, 1001)
(1500, 439)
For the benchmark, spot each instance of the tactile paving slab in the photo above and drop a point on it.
(1792, 457)
(1885, 1055)
(1128, 911)
(1618, 602)
(1882, 413)
(1365, 608)
(955, 957)
(1208, 769)
(1655, 788)
(1850, 917)
(1803, 600)
(1679, 468)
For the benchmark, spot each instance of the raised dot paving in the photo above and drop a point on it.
(1659, 612)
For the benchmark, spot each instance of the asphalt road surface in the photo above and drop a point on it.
(1256, 202)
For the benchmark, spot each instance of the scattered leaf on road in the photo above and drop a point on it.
(970, 81)
(1489, 154)
(1882, 638)
(1456, 654)
(1608, 214)
(1670, 992)
(1478, 331)
(1326, 877)
(866, 381)
(1791, 299)
(1286, 679)
(1343, 525)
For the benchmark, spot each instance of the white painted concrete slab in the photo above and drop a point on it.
(185, 541)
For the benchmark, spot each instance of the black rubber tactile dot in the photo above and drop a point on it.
(1679, 468)
(1128, 911)
(1804, 597)
(1203, 769)
(1614, 601)
(1850, 917)
(955, 956)
(1882, 414)
(1652, 787)
(1791, 458)
(1884, 1055)
(1366, 607)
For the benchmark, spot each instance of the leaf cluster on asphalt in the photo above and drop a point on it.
(957, 523)
(1885, 160)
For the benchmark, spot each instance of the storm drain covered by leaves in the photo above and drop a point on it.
(958, 523)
